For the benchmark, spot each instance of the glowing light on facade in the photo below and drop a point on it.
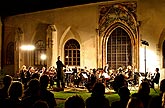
(27, 47)
(151, 57)
(43, 56)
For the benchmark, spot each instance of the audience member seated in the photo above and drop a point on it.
(97, 99)
(15, 94)
(6, 83)
(135, 103)
(124, 94)
(40, 104)
(32, 94)
(75, 102)
(143, 93)
(156, 101)
(163, 100)
(31, 86)
(45, 94)
(119, 81)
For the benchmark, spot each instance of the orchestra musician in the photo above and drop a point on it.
(29, 73)
(69, 75)
(51, 74)
(131, 76)
(106, 68)
(129, 73)
(23, 74)
(155, 78)
(42, 71)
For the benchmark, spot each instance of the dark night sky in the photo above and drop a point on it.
(14, 7)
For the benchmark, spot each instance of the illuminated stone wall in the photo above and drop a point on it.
(82, 23)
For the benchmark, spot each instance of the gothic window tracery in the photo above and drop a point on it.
(72, 53)
(119, 51)
(163, 54)
(40, 49)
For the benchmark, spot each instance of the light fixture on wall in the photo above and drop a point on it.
(27, 47)
(43, 56)
(144, 42)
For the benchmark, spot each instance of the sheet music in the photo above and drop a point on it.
(84, 75)
(106, 75)
(69, 72)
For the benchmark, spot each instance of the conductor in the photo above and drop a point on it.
(60, 73)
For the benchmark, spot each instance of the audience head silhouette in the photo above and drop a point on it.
(135, 103)
(75, 102)
(34, 86)
(7, 80)
(16, 90)
(40, 104)
(157, 69)
(98, 89)
(162, 86)
(144, 88)
(44, 81)
(124, 92)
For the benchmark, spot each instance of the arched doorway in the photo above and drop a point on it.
(119, 49)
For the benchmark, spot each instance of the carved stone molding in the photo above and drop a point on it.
(52, 27)
(19, 30)
(123, 12)
(121, 15)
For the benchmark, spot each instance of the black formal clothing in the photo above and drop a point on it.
(29, 101)
(155, 102)
(156, 78)
(144, 98)
(28, 76)
(106, 69)
(22, 76)
(4, 93)
(97, 102)
(12, 103)
(48, 97)
(60, 74)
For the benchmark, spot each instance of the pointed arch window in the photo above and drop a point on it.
(40, 49)
(72, 53)
(119, 51)
(10, 53)
(163, 54)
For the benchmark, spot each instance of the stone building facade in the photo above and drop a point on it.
(88, 35)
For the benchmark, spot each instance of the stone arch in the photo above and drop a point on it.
(68, 34)
(130, 34)
(119, 15)
(72, 53)
(160, 46)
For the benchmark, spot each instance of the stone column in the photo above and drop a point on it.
(0, 41)
(51, 48)
(18, 55)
